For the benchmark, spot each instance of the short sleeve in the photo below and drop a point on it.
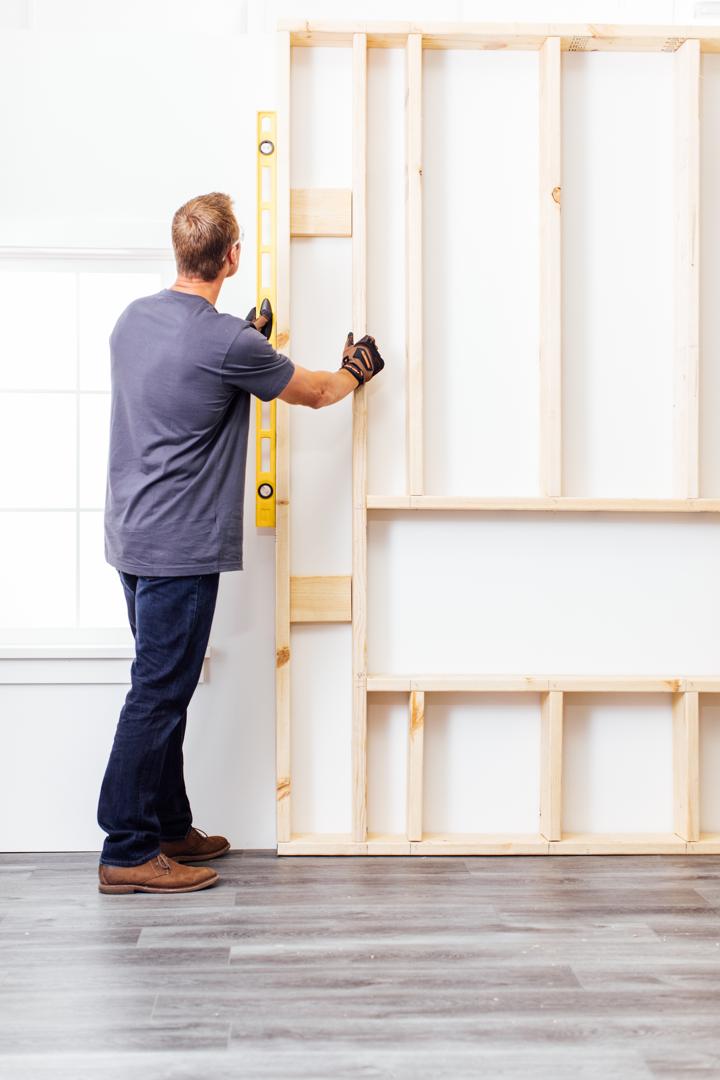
(252, 364)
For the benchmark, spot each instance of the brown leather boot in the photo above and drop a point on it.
(196, 847)
(158, 875)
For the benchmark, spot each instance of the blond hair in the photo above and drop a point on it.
(203, 230)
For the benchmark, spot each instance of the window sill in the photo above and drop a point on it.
(71, 664)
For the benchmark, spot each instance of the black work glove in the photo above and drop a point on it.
(362, 358)
(264, 321)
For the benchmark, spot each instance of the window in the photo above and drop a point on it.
(56, 314)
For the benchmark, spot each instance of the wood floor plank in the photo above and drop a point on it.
(425, 967)
(331, 1063)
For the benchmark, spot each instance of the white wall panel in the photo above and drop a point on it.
(617, 209)
(617, 763)
(321, 439)
(709, 276)
(480, 262)
(321, 697)
(98, 168)
(212, 18)
(555, 593)
(482, 763)
(387, 724)
(67, 770)
(321, 89)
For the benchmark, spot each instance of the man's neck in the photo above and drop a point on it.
(210, 290)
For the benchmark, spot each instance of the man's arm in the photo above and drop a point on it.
(318, 388)
(361, 360)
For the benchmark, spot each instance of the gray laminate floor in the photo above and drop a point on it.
(364, 967)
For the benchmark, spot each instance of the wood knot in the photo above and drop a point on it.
(283, 338)
(282, 656)
(417, 715)
(283, 787)
(556, 194)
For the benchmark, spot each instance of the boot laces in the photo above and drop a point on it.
(163, 862)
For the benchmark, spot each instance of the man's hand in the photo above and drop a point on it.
(362, 358)
(262, 322)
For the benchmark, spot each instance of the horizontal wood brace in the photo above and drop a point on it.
(555, 503)
(601, 684)
(618, 844)
(574, 37)
(499, 844)
(708, 844)
(321, 212)
(320, 599)
(708, 684)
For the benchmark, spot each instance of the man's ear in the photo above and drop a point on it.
(233, 259)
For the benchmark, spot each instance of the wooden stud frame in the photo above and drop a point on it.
(342, 213)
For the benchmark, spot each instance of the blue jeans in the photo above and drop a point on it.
(143, 798)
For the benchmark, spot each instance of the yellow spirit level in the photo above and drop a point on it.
(265, 411)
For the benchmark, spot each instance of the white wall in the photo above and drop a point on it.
(120, 111)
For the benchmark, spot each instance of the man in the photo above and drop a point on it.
(182, 376)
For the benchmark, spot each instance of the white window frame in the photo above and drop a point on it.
(74, 654)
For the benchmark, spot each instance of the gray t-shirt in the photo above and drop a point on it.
(182, 376)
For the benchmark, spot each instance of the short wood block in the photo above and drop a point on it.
(320, 599)
(321, 212)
